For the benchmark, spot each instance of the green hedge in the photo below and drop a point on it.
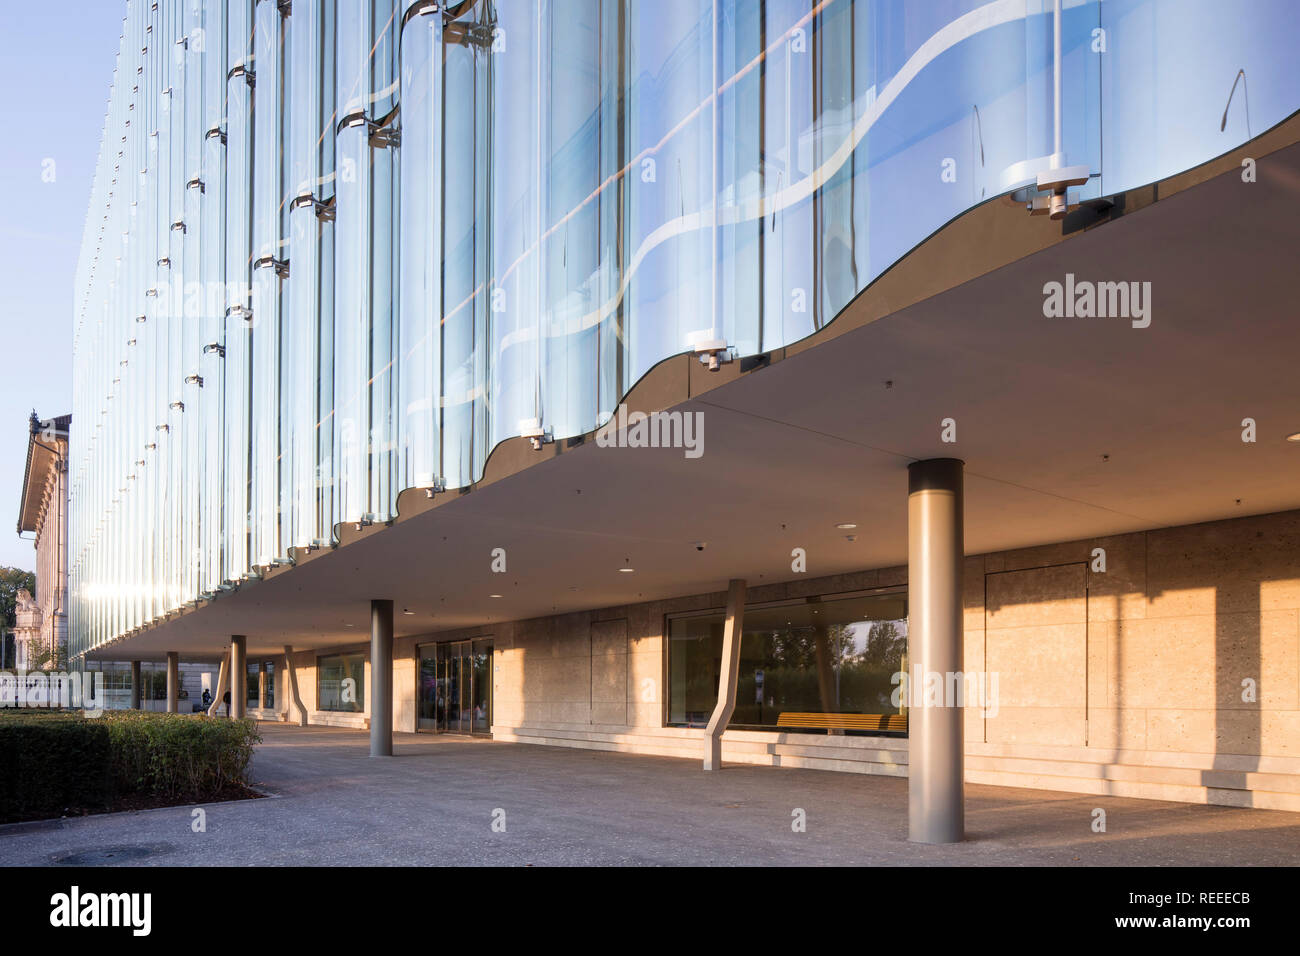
(52, 763)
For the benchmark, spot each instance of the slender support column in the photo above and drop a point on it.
(136, 689)
(291, 688)
(173, 681)
(727, 679)
(936, 787)
(381, 678)
(223, 682)
(238, 675)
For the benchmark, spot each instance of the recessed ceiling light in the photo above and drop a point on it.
(494, 595)
(407, 610)
(846, 526)
(1295, 437)
(626, 570)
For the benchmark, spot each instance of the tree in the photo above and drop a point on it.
(12, 580)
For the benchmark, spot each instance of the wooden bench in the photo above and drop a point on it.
(888, 722)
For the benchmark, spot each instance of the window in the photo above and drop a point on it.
(818, 658)
(268, 684)
(340, 683)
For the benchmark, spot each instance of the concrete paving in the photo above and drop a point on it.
(435, 801)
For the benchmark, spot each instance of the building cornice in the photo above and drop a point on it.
(43, 459)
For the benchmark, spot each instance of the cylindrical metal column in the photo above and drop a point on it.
(381, 678)
(173, 680)
(936, 811)
(238, 675)
(136, 689)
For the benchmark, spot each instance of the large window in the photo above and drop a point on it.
(341, 682)
(819, 664)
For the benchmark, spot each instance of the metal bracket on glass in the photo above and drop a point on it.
(194, 380)
(365, 522)
(177, 407)
(240, 69)
(531, 428)
(385, 137)
(142, 318)
(1055, 183)
(214, 348)
(240, 312)
(281, 266)
(216, 133)
(178, 225)
(324, 210)
(382, 134)
(165, 262)
(438, 487)
(196, 182)
(713, 352)
(162, 428)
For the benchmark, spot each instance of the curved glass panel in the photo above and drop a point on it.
(311, 280)
(420, 245)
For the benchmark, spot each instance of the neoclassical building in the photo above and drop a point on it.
(42, 622)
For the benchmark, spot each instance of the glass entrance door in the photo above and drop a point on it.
(455, 687)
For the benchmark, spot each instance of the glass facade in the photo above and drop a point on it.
(801, 663)
(341, 248)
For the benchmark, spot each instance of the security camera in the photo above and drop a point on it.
(700, 545)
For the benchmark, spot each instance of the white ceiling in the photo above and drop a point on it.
(816, 439)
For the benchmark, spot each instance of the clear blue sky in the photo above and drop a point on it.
(56, 67)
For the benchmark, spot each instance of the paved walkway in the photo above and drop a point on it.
(434, 803)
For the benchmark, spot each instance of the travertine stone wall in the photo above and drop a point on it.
(1152, 657)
